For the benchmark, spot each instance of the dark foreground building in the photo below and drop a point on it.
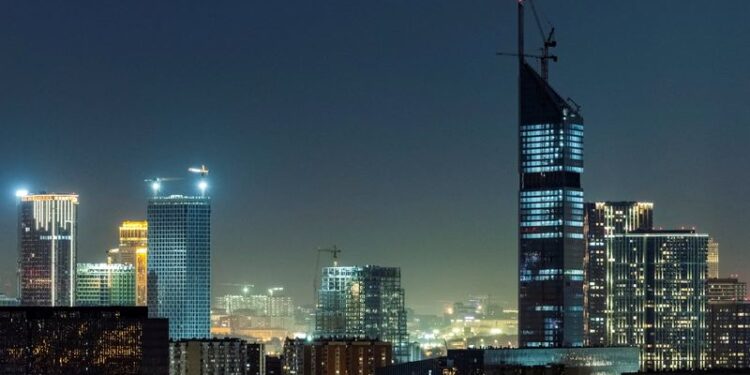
(556, 361)
(82, 340)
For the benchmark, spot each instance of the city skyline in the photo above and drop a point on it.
(379, 175)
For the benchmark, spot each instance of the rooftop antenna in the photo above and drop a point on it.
(549, 42)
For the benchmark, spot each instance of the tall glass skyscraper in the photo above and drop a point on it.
(47, 241)
(551, 243)
(363, 302)
(602, 221)
(179, 264)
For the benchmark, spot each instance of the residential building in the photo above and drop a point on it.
(603, 220)
(48, 241)
(74, 340)
(729, 334)
(656, 297)
(364, 302)
(335, 357)
(228, 356)
(179, 264)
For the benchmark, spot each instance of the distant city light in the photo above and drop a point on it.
(21, 193)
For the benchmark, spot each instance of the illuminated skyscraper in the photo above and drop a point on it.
(602, 221)
(713, 259)
(551, 243)
(134, 250)
(656, 297)
(48, 240)
(102, 284)
(179, 264)
(363, 302)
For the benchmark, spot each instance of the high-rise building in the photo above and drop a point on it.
(713, 259)
(179, 264)
(726, 289)
(76, 340)
(102, 284)
(729, 334)
(228, 356)
(48, 241)
(550, 205)
(363, 302)
(334, 356)
(656, 297)
(603, 220)
(134, 250)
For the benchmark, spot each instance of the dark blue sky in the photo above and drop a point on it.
(386, 127)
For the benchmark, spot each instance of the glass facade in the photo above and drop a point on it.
(179, 264)
(602, 221)
(551, 243)
(363, 302)
(656, 297)
(102, 284)
(48, 241)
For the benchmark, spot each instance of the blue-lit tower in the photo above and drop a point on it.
(179, 262)
(551, 243)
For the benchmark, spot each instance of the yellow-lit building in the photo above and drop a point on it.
(134, 250)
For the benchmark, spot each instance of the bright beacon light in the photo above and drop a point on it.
(155, 186)
(203, 185)
(21, 193)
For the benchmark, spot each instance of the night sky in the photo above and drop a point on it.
(386, 127)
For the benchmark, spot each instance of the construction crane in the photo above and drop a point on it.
(156, 182)
(202, 170)
(334, 251)
(548, 38)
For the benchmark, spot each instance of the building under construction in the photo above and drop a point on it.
(363, 302)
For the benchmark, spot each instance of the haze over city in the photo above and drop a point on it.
(387, 128)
